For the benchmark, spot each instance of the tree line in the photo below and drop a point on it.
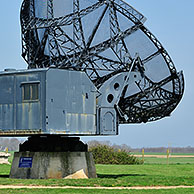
(164, 149)
(127, 148)
(13, 145)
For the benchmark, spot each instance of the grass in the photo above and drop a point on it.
(152, 160)
(97, 191)
(155, 172)
(11, 157)
(117, 175)
(178, 160)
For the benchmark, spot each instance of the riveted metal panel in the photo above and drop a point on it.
(28, 116)
(7, 102)
(7, 116)
(70, 103)
(66, 103)
(28, 113)
(19, 117)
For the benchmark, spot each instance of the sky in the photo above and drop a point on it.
(172, 22)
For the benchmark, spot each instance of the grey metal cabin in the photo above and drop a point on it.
(51, 101)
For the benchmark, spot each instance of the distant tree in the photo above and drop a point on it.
(126, 148)
(11, 143)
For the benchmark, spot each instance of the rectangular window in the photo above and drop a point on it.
(26, 92)
(34, 92)
(30, 91)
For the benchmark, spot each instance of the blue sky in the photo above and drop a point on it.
(171, 21)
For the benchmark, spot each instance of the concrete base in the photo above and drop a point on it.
(52, 165)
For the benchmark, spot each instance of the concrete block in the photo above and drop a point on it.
(52, 165)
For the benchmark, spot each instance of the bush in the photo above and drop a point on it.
(104, 154)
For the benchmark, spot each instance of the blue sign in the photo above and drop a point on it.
(25, 162)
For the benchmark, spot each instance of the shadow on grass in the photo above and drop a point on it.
(4, 176)
(114, 176)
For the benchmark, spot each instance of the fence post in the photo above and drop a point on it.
(168, 152)
(143, 155)
(6, 150)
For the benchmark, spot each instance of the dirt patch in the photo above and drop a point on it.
(164, 156)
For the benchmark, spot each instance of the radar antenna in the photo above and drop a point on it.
(102, 38)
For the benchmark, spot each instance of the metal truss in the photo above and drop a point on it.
(120, 49)
(114, 41)
(39, 23)
(78, 34)
(129, 11)
(121, 6)
(56, 38)
(76, 51)
(161, 49)
(29, 38)
(153, 102)
(50, 12)
(53, 26)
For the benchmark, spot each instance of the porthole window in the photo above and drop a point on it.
(110, 98)
(116, 86)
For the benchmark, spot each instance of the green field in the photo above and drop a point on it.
(118, 175)
(160, 153)
(154, 160)
(83, 191)
(99, 191)
(154, 172)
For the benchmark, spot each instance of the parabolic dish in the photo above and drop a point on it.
(103, 38)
